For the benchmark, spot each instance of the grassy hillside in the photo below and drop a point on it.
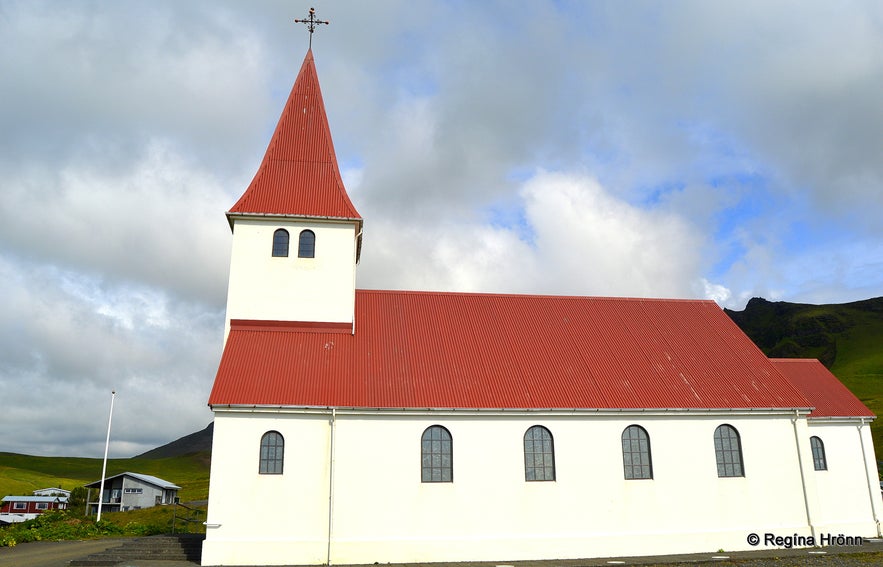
(22, 474)
(847, 338)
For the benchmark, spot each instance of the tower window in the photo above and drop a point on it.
(280, 243)
(306, 245)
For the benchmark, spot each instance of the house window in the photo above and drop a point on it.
(636, 453)
(134, 491)
(280, 243)
(539, 454)
(42, 506)
(306, 244)
(19, 506)
(436, 455)
(728, 451)
(272, 453)
(819, 462)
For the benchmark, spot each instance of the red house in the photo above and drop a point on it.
(20, 508)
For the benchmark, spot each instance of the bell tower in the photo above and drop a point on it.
(296, 234)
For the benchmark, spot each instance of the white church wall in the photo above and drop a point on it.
(382, 511)
(262, 519)
(291, 288)
(848, 493)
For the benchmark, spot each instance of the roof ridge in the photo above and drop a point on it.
(533, 295)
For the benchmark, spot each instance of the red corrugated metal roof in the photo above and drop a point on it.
(826, 393)
(457, 350)
(299, 175)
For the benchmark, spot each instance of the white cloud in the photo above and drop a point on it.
(586, 241)
(716, 292)
(67, 339)
(590, 242)
(691, 150)
(158, 223)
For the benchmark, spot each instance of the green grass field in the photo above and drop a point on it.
(22, 474)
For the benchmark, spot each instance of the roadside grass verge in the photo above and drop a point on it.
(65, 525)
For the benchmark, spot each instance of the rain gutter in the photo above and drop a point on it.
(812, 527)
(331, 483)
(551, 412)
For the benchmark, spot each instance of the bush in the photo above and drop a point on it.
(57, 526)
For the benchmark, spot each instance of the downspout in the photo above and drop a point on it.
(331, 485)
(812, 528)
(861, 441)
(355, 262)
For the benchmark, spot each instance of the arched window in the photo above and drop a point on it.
(272, 453)
(306, 245)
(819, 462)
(728, 451)
(436, 455)
(280, 243)
(539, 454)
(636, 453)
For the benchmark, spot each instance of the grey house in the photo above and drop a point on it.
(132, 491)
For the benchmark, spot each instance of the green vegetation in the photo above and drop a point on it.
(846, 338)
(67, 525)
(55, 526)
(22, 474)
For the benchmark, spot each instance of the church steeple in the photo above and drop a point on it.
(296, 235)
(299, 175)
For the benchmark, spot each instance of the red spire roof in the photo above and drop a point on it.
(299, 175)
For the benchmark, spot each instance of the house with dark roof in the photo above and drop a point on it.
(375, 426)
(131, 491)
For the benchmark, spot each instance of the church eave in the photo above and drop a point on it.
(355, 410)
(232, 216)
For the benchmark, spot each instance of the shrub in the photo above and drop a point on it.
(60, 525)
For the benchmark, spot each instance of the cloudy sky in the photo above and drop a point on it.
(717, 150)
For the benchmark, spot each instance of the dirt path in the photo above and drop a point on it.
(52, 553)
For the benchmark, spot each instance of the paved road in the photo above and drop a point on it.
(52, 553)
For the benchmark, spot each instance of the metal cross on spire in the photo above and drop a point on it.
(312, 22)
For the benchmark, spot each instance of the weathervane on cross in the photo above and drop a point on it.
(312, 22)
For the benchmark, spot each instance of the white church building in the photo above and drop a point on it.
(364, 426)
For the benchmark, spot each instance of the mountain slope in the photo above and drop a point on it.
(847, 338)
(198, 442)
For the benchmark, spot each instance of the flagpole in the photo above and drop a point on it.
(106, 446)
